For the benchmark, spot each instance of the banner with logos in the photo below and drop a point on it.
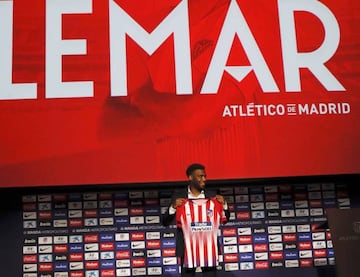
(95, 92)
(119, 233)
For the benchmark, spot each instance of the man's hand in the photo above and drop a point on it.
(177, 202)
(220, 198)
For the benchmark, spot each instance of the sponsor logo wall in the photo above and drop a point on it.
(119, 233)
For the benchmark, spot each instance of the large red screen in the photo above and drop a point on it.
(101, 92)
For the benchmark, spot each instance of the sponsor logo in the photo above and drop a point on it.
(261, 265)
(76, 247)
(272, 197)
(291, 263)
(137, 236)
(92, 265)
(319, 244)
(123, 263)
(91, 247)
(45, 249)
(106, 246)
(277, 264)
(244, 248)
(260, 247)
(305, 254)
(122, 245)
(291, 254)
(245, 266)
(305, 245)
(306, 262)
(122, 236)
(76, 239)
(136, 220)
(169, 261)
(29, 267)
(257, 206)
(157, 253)
(61, 266)
(91, 213)
(274, 229)
(275, 246)
(319, 253)
(123, 272)
(273, 213)
(287, 213)
(121, 211)
(260, 230)
(305, 228)
(76, 257)
(138, 262)
(154, 271)
(60, 239)
(109, 255)
(287, 204)
(258, 214)
(241, 198)
(230, 240)
(122, 254)
(270, 189)
(136, 211)
(43, 215)
(45, 258)
(76, 266)
(121, 203)
(153, 244)
(138, 253)
(318, 236)
(320, 262)
(289, 237)
(272, 205)
(107, 264)
(29, 224)
(230, 258)
(106, 237)
(90, 222)
(29, 250)
(137, 244)
(304, 236)
(168, 243)
(243, 239)
(91, 256)
(231, 266)
(243, 215)
(153, 235)
(244, 231)
(154, 219)
(246, 257)
(139, 271)
(168, 235)
(154, 261)
(277, 255)
(290, 246)
(260, 238)
(106, 221)
(29, 259)
(261, 256)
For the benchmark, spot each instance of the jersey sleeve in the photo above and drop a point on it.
(180, 212)
(220, 210)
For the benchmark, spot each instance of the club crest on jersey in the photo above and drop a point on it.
(210, 213)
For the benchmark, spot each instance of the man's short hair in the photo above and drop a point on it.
(191, 168)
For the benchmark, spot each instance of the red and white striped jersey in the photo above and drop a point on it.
(200, 220)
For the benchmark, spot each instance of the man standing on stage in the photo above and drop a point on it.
(198, 212)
